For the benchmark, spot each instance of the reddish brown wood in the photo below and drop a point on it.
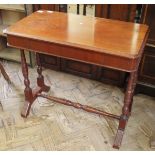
(128, 98)
(124, 12)
(96, 49)
(128, 101)
(105, 75)
(118, 139)
(53, 7)
(28, 90)
(101, 10)
(27, 104)
(133, 89)
(51, 62)
(129, 93)
(40, 79)
(91, 33)
(109, 76)
(5, 75)
(73, 53)
(79, 106)
(30, 95)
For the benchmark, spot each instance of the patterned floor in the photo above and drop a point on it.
(52, 126)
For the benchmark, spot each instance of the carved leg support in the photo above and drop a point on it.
(5, 75)
(28, 90)
(40, 79)
(128, 98)
(133, 89)
(31, 95)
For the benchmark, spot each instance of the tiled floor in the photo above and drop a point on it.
(52, 126)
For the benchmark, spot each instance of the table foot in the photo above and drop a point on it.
(45, 88)
(26, 109)
(126, 110)
(31, 98)
(118, 139)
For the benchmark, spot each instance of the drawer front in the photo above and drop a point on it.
(111, 76)
(102, 74)
(79, 68)
(51, 62)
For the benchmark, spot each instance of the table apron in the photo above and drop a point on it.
(74, 53)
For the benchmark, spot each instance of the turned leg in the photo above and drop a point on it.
(128, 98)
(5, 75)
(40, 79)
(28, 90)
(133, 90)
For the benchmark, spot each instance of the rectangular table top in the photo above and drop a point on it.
(114, 37)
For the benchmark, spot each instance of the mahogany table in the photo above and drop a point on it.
(103, 42)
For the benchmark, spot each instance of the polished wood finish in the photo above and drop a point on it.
(47, 61)
(106, 60)
(60, 34)
(92, 71)
(123, 12)
(91, 33)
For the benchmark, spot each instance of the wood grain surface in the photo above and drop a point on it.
(98, 34)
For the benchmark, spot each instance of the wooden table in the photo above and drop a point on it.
(109, 43)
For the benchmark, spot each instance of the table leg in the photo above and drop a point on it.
(5, 75)
(133, 89)
(40, 79)
(31, 95)
(128, 98)
(28, 90)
